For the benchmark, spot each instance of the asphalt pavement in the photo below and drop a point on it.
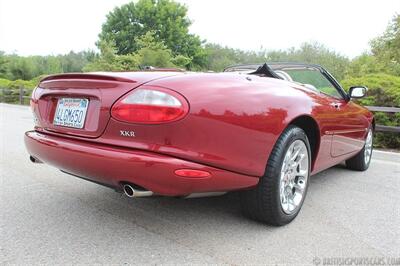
(47, 217)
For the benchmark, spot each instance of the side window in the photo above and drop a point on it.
(315, 78)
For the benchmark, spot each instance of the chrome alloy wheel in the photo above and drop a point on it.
(368, 147)
(294, 175)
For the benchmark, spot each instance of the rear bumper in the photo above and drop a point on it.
(112, 166)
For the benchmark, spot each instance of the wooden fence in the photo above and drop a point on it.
(381, 128)
(14, 96)
(19, 96)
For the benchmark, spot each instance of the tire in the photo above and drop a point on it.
(361, 161)
(263, 203)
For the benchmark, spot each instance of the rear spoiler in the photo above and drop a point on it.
(91, 76)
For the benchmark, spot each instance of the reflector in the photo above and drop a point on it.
(192, 173)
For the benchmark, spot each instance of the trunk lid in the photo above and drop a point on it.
(100, 90)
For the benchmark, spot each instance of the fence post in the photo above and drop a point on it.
(21, 95)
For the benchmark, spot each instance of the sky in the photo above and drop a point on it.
(50, 27)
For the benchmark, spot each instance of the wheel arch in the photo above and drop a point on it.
(373, 124)
(311, 128)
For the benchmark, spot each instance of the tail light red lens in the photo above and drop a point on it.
(150, 106)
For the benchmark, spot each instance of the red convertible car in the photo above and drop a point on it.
(262, 130)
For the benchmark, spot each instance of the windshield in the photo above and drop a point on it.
(309, 76)
(314, 78)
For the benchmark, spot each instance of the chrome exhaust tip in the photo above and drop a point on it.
(132, 192)
(34, 160)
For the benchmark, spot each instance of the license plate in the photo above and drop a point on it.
(71, 112)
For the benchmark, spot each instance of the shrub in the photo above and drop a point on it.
(9, 89)
(383, 90)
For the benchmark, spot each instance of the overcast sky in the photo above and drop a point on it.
(42, 27)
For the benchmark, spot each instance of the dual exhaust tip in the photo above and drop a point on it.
(132, 192)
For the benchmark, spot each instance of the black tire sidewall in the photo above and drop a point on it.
(293, 134)
(358, 161)
(372, 149)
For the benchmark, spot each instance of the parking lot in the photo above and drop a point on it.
(53, 218)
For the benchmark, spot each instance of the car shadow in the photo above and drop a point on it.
(179, 213)
(213, 225)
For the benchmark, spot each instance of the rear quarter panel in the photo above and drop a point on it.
(233, 122)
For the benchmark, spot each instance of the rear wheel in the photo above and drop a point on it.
(279, 195)
(361, 161)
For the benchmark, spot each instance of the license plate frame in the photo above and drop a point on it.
(71, 112)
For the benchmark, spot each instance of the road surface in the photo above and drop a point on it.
(48, 217)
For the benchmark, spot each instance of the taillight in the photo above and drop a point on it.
(150, 106)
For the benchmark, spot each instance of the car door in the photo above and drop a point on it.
(341, 119)
(349, 128)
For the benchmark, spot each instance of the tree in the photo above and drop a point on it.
(219, 57)
(386, 47)
(314, 53)
(3, 65)
(20, 67)
(181, 61)
(108, 60)
(363, 65)
(74, 62)
(152, 52)
(165, 18)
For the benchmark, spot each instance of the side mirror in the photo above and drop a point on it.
(357, 92)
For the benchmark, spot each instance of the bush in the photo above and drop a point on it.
(383, 90)
(9, 89)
